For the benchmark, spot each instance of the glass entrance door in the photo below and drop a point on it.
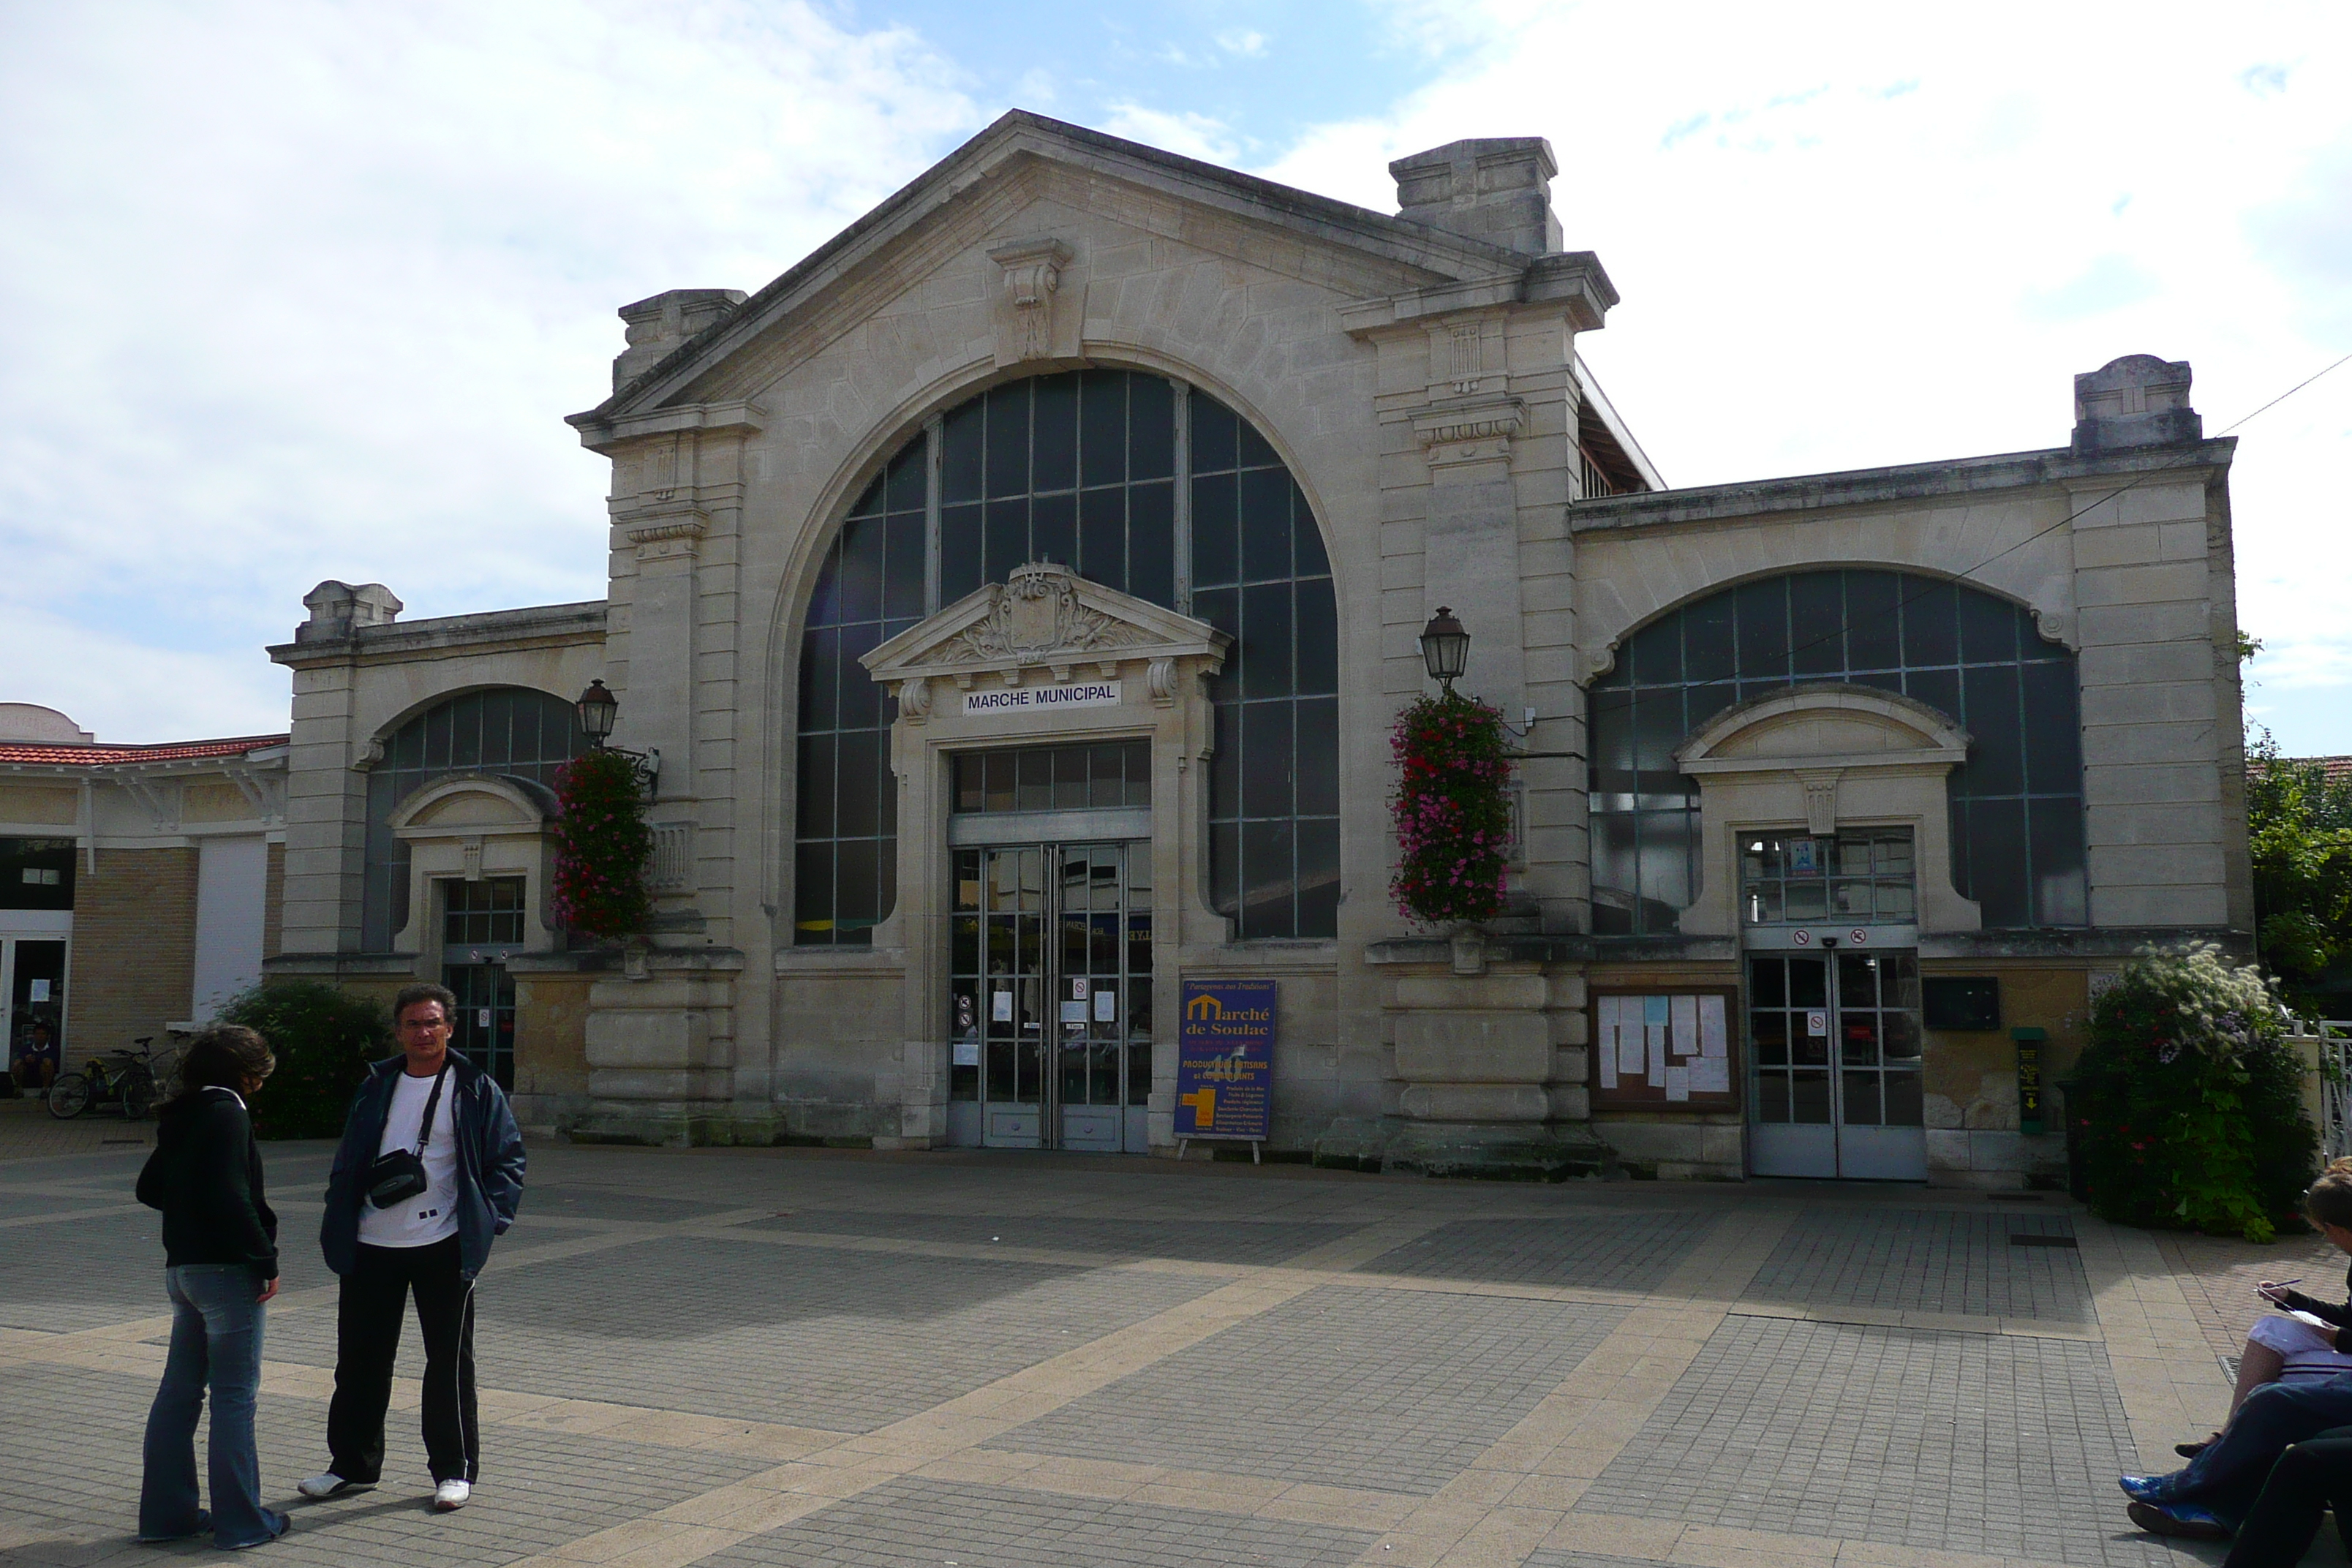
(481, 926)
(1050, 1005)
(1834, 1037)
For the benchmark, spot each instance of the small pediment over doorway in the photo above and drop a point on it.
(1044, 624)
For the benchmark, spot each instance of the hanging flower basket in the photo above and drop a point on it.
(601, 846)
(1451, 810)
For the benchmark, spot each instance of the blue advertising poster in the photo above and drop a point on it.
(1224, 1060)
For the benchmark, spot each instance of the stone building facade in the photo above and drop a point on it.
(1017, 594)
(139, 885)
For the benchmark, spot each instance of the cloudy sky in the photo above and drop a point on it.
(298, 290)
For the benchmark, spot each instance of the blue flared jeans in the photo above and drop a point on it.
(216, 1342)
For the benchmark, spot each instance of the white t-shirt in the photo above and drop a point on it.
(432, 1214)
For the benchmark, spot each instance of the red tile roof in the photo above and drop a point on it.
(2338, 769)
(42, 755)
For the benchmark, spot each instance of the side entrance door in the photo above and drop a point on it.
(1834, 1037)
(1050, 1010)
(481, 925)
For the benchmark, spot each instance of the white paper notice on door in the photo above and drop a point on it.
(1678, 1083)
(1105, 1005)
(1711, 1032)
(1685, 1027)
(967, 1053)
(1657, 1033)
(1711, 1075)
(1074, 1012)
(1000, 1006)
(39, 991)
(1631, 1062)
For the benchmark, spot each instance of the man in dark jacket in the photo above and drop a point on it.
(431, 1114)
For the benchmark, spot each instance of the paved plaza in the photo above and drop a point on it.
(744, 1358)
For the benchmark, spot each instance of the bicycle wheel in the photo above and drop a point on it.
(69, 1097)
(138, 1096)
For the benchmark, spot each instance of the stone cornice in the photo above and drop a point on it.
(539, 625)
(738, 416)
(1907, 482)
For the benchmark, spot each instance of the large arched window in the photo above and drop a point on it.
(508, 729)
(2016, 803)
(1138, 483)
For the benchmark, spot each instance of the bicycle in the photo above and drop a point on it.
(127, 1078)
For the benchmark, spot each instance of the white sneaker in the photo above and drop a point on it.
(331, 1485)
(451, 1496)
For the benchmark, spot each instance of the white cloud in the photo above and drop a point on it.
(1241, 41)
(1192, 135)
(299, 291)
(1849, 236)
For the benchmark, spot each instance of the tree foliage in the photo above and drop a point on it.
(2187, 1101)
(2299, 828)
(1451, 810)
(325, 1038)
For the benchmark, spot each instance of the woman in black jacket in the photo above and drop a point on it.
(220, 1247)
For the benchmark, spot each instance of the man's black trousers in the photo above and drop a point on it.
(2309, 1478)
(367, 1339)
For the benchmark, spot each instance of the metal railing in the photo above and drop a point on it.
(2335, 1040)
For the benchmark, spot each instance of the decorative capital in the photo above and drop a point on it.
(1032, 271)
(665, 533)
(1469, 431)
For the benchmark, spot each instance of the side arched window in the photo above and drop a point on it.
(2016, 803)
(508, 729)
(1140, 484)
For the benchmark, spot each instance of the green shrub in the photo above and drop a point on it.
(325, 1039)
(2189, 1103)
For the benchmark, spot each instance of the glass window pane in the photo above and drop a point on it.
(1056, 453)
(1213, 435)
(1318, 757)
(1152, 542)
(1102, 427)
(960, 452)
(1930, 622)
(1772, 1097)
(812, 921)
(1266, 759)
(1318, 878)
(1872, 620)
(1808, 1095)
(1654, 656)
(1816, 616)
(816, 786)
(1268, 886)
(1904, 1105)
(960, 539)
(1151, 427)
(1006, 535)
(1997, 869)
(1102, 537)
(1216, 557)
(1988, 693)
(1266, 640)
(857, 808)
(1318, 636)
(1861, 1099)
(1054, 528)
(1763, 612)
(902, 584)
(2059, 897)
(1225, 868)
(2054, 732)
(859, 583)
(1008, 439)
(1265, 526)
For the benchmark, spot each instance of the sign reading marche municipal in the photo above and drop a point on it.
(1029, 698)
(1224, 1060)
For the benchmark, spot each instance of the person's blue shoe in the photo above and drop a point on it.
(2145, 1489)
(2181, 1519)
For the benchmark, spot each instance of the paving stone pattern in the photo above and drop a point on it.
(1909, 1437)
(1608, 1251)
(922, 1524)
(539, 1489)
(576, 1201)
(768, 1332)
(1928, 1260)
(1381, 1390)
(1201, 1241)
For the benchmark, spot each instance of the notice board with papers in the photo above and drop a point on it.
(1672, 1049)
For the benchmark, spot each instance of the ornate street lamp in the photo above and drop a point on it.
(598, 708)
(1446, 649)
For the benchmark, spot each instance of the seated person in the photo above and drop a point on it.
(2279, 1348)
(2309, 1479)
(2221, 1482)
(37, 1060)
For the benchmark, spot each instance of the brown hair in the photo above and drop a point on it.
(2329, 1201)
(224, 1056)
(410, 996)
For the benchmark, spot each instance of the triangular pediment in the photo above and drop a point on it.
(894, 245)
(1042, 616)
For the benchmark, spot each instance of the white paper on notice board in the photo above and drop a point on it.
(1611, 1008)
(967, 1053)
(1657, 1033)
(1711, 1075)
(1655, 1009)
(1685, 1027)
(1710, 1028)
(1607, 1043)
(1678, 1083)
(1630, 1060)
